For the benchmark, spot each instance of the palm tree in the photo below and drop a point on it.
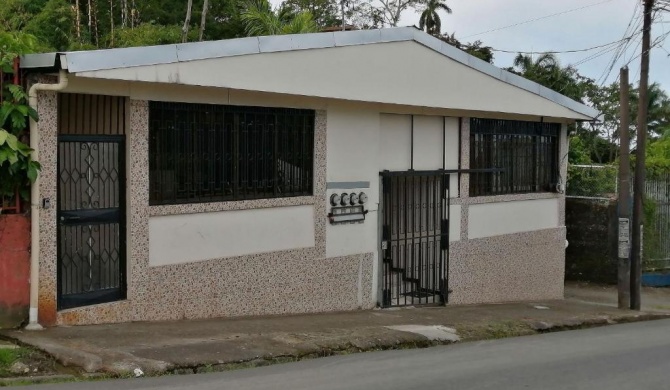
(259, 18)
(430, 19)
(659, 111)
(547, 70)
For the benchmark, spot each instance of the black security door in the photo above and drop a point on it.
(91, 220)
(415, 237)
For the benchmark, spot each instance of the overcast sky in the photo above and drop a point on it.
(598, 22)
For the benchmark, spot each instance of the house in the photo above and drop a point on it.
(292, 174)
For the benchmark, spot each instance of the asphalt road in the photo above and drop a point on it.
(631, 356)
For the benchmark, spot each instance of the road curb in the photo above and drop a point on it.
(572, 324)
(120, 366)
(35, 379)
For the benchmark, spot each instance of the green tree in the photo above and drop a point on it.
(547, 70)
(17, 169)
(430, 18)
(148, 34)
(606, 100)
(658, 153)
(476, 48)
(17, 43)
(15, 14)
(53, 25)
(659, 111)
(390, 11)
(259, 18)
(326, 13)
(579, 152)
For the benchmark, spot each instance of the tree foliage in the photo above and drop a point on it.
(325, 13)
(259, 18)
(17, 169)
(147, 34)
(546, 69)
(430, 18)
(52, 25)
(477, 48)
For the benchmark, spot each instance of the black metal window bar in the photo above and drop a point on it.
(415, 238)
(208, 153)
(526, 154)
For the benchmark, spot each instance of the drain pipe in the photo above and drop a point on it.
(35, 203)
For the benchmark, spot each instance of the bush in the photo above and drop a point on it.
(592, 180)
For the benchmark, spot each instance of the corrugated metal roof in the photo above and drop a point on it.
(85, 61)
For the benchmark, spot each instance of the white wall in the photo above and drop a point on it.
(395, 141)
(493, 219)
(359, 73)
(395, 144)
(185, 238)
(352, 156)
(361, 143)
(427, 142)
(452, 155)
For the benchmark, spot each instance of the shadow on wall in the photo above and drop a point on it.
(592, 226)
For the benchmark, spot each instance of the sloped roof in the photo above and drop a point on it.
(99, 60)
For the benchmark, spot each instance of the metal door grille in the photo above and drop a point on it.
(415, 237)
(91, 220)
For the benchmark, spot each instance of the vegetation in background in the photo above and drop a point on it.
(430, 18)
(259, 18)
(592, 181)
(17, 169)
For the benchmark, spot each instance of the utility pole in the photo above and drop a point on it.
(643, 107)
(624, 193)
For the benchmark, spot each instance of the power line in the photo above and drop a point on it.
(562, 51)
(625, 48)
(595, 55)
(537, 19)
(634, 23)
(657, 42)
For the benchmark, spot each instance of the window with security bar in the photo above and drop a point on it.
(524, 153)
(209, 153)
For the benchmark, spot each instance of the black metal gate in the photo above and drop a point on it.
(415, 237)
(91, 220)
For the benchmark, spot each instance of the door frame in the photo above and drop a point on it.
(108, 295)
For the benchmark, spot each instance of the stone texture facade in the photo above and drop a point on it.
(523, 266)
(511, 267)
(293, 281)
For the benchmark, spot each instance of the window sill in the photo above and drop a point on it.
(193, 208)
(511, 197)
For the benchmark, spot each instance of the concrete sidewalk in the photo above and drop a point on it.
(653, 299)
(218, 344)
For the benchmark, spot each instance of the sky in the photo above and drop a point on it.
(581, 24)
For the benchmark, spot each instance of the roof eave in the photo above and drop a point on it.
(85, 61)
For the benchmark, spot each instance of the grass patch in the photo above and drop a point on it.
(494, 330)
(9, 357)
